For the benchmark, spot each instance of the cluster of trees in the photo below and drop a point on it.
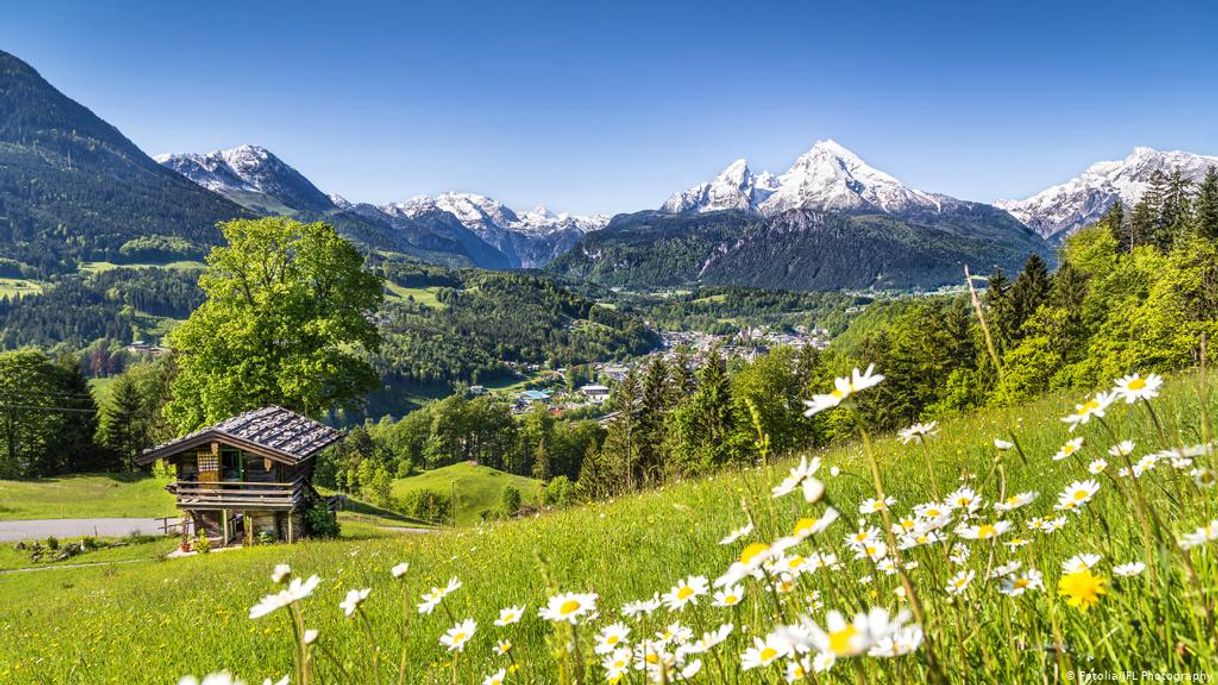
(724, 309)
(495, 318)
(119, 305)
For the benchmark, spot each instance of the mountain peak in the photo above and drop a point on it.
(252, 176)
(826, 177)
(1062, 209)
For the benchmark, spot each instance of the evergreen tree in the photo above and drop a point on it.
(123, 428)
(1029, 291)
(655, 398)
(622, 439)
(1114, 220)
(1000, 311)
(1205, 217)
(702, 425)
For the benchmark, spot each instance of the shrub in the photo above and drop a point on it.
(52, 543)
(559, 492)
(202, 544)
(320, 522)
(427, 505)
(510, 500)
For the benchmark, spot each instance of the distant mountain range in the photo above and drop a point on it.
(1062, 209)
(73, 188)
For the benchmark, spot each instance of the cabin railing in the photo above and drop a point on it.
(238, 494)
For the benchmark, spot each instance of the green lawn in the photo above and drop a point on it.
(98, 267)
(125, 551)
(151, 622)
(477, 488)
(85, 496)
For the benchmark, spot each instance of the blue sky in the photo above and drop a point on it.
(607, 107)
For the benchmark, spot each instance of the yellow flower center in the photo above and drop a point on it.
(612, 640)
(459, 637)
(768, 654)
(804, 526)
(837, 394)
(1021, 583)
(795, 562)
(730, 599)
(751, 552)
(1137, 384)
(685, 592)
(1089, 406)
(1080, 495)
(839, 641)
(653, 658)
(986, 531)
(569, 606)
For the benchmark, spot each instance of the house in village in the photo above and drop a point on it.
(247, 477)
(596, 394)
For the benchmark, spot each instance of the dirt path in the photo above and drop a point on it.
(12, 531)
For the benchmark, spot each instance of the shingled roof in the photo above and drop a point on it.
(274, 432)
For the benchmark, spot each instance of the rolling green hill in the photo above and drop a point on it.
(476, 488)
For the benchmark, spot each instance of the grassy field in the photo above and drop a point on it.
(477, 488)
(19, 287)
(125, 551)
(98, 267)
(153, 621)
(426, 296)
(85, 496)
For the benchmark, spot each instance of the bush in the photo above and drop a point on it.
(510, 500)
(52, 543)
(320, 522)
(202, 544)
(559, 492)
(427, 505)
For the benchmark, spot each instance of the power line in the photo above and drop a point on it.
(31, 407)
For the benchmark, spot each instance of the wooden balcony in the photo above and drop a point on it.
(238, 495)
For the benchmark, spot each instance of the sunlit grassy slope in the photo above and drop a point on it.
(85, 496)
(476, 488)
(150, 622)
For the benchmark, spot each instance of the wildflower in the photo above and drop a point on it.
(1133, 387)
(281, 573)
(455, 638)
(1096, 406)
(399, 570)
(984, 531)
(873, 550)
(872, 505)
(716, 637)
(1204, 478)
(960, 553)
(1073, 445)
(310, 636)
(1080, 562)
(686, 592)
(503, 647)
(1015, 543)
(898, 643)
(1202, 535)
(1077, 494)
(1053, 525)
(616, 665)
(1016, 501)
(863, 537)
(960, 582)
(296, 591)
(964, 499)
(1002, 445)
(568, 607)
(509, 615)
(433, 597)
(353, 600)
(1017, 585)
(764, 652)
(495, 678)
(843, 388)
(751, 559)
(611, 637)
(641, 607)
(1129, 570)
(918, 432)
(1082, 589)
(1123, 448)
(807, 527)
(1004, 569)
(1097, 466)
(737, 534)
(842, 639)
(802, 476)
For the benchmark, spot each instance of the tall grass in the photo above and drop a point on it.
(151, 623)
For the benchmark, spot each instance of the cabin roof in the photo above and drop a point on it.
(272, 432)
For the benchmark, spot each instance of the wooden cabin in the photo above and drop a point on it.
(246, 476)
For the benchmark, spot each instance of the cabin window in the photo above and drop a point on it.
(232, 464)
(208, 462)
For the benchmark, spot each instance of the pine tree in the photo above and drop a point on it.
(622, 439)
(1114, 220)
(1205, 217)
(1029, 291)
(122, 428)
(1000, 312)
(655, 399)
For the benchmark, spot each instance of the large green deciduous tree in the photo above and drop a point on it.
(287, 321)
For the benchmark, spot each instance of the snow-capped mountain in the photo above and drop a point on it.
(1062, 209)
(734, 188)
(529, 240)
(250, 176)
(828, 177)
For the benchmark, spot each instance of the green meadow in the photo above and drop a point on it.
(151, 621)
(475, 488)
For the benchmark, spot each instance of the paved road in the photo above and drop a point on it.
(11, 531)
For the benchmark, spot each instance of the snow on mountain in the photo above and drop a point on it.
(251, 176)
(827, 177)
(1064, 208)
(734, 188)
(483, 214)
